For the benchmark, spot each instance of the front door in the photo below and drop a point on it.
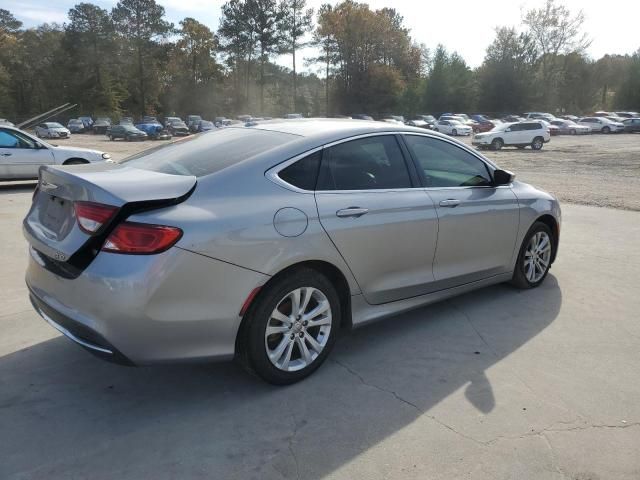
(477, 222)
(383, 225)
(21, 156)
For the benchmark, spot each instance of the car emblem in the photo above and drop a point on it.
(44, 185)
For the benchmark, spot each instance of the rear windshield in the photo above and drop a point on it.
(210, 152)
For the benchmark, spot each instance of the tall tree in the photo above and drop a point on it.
(324, 39)
(296, 21)
(266, 17)
(555, 30)
(142, 24)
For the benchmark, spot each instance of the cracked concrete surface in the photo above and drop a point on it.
(496, 384)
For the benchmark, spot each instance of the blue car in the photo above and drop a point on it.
(154, 130)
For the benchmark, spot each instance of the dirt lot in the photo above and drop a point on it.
(602, 170)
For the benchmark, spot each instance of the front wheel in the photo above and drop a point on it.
(606, 130)
(454, 132)
(537, 143)
(535, 256)
(497, 144)
(292, 327)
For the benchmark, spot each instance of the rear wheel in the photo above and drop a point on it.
(292, 327)
(606, 130)
(111, 138)
(497, 144)
(537, 143)
(454, 132)
(534, 259)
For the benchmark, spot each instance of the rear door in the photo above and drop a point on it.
(21, 156)
(514, 135)
(381, 221)
(478, 223)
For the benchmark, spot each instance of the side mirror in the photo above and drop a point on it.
(503, 177)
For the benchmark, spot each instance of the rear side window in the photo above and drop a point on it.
(303, 173)
(371, 163)
(532, 126)
(202, 155)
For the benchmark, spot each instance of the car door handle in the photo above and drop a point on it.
(352, 212)
(450, 203)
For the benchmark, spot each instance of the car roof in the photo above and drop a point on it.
(325, 130)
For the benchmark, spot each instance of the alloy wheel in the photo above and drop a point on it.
(298, 329)
(537, 257)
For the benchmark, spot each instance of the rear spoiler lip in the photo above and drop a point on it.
(75, 264)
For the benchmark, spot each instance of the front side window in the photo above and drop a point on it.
(10, 139)
(371, 163)
(446, 165)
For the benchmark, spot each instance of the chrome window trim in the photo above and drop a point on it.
(272, 173)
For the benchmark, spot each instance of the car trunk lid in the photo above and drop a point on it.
(52, 226)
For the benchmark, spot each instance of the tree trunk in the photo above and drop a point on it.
(143, 106)
(261, 81)
(326, 84)
(295, 80)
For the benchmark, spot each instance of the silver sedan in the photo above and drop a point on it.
(261, 242)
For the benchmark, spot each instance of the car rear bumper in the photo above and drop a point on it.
(143, 309)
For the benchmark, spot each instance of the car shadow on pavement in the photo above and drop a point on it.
(66, 414)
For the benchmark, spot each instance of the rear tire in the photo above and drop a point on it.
(537, 143)
(111, 138)
(296, 348)
(497, 144)
(454, 132)
(534, 259)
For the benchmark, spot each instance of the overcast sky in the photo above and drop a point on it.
(466, 26)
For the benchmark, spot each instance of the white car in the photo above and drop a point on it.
(523, 134)
(453, 127)
(22, 155)
(602, 124)
(52, 130)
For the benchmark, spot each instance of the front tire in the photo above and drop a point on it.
(534, 259)
(497, 144)
(454, 132)
(292, 327)
(606, 130)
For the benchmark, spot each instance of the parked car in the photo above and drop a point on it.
(418, 122)
(631, 125)
(22, 154)
(430, 119)
(154, 130)
(392, 120)
(627, 114)
(290, 116)
(186, 269)
(5, 122)
(87, 122)
(553, 129)
(192, 122)
(453, 127)
(52, 130)
(458, 118)
(531, 133)
(150, 119)
(177, 128)
(569, 127)
(602, 124)
(244, 118)
(126, 121)
(219, 121)
(101, 125)
(540, 116)
(205, 126)
(75, 125)
(573, 118)
(126, 132)
(512, 119)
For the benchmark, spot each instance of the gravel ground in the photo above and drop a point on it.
(572, 168)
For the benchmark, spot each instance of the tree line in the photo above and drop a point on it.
(132, 60)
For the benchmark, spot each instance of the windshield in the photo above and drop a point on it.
(202, 155)
(53, 125)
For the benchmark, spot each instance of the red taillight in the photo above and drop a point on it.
(92, 216)
(141, 238)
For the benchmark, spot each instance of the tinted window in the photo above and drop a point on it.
(304, 173)
(445, 165)
(205, 154)
(516, 127)
(366, 164)
(532, 126)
